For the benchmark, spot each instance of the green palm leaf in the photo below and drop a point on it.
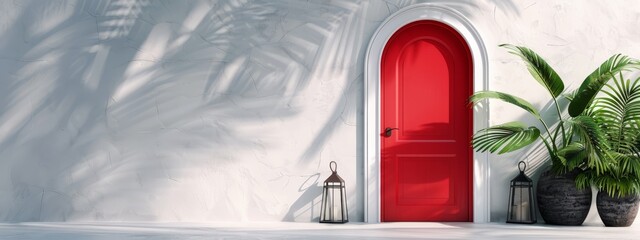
(627, 164)
(594, 141)
(596, 80)
(571, 156)
(616, 185)
(504, 138)
(479, 96)
(618, 113)
(539, 69)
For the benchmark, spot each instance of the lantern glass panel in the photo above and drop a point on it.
(332, 204)
(520, 204)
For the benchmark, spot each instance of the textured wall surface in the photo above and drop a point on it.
(231, 110)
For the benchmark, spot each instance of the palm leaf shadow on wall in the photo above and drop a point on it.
(116, 110)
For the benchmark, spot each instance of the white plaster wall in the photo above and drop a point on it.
(232, 110)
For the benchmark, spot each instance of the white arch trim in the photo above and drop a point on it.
(451, 17)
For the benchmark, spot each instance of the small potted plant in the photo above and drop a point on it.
(574, 145)
(617, 112)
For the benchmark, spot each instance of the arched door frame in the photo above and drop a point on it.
(481, 204)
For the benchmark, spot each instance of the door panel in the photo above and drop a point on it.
(430, 109)
(414, 187)
(426, 164)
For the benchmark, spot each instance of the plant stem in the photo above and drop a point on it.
(555, 133)
(564, 143)
(553, 140)
(551, 152)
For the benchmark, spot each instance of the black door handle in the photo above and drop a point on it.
(388, 131)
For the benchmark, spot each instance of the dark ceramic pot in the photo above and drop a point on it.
(617, 212)
(559, 200)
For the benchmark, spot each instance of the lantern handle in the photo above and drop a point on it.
(522, 168)
(331, 166)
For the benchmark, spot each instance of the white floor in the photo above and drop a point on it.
(113, 230)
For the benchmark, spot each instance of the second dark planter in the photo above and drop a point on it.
(617, 212)
(560, 202)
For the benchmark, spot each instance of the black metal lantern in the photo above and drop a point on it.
(521, 207)
(334, 198)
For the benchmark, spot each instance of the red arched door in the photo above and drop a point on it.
(427, 162)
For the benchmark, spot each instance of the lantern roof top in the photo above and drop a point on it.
(334, 178)
(521, 178)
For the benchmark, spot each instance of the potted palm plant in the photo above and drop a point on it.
(617, 112)
(576, 143)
